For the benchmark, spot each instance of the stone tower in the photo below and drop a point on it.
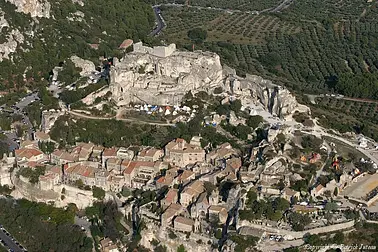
(214, 197)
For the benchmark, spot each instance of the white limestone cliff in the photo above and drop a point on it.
(14, 39)
(87, 66)
(145, 77)
(166, 79)
(36, 8)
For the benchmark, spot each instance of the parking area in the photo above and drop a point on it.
(9, 242)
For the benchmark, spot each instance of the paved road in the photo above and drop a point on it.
(18, 109)
(159, 20)
(9, 242)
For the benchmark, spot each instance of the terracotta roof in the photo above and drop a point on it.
(57, 153)
(172, 210)
(110, 152)
(55, 169)
(171, 195)
(319, 187)
(82, 170)
(27, 153)
(289, 192)
(130, 167)
(126, 43)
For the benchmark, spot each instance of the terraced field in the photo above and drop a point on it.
(248, 27)
(247, 5)
(355, 108)
(244, 5)
(244, 28)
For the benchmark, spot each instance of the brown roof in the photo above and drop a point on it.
(41, 135)
(110, 152)
(185, 175)
(148, 152)
(234, 163)
(82, 170)
(185, 221)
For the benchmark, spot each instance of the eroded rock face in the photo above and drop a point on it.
(277, 100)
(87, 66)
(36, 8)
(144, 78)
(147, 78)
(14, 38)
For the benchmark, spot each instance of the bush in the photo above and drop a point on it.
(197, 35)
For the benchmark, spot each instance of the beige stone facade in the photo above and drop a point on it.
(180, 153)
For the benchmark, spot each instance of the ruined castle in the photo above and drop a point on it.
(162, 75)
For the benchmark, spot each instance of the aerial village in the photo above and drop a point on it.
(284, 180)
(200, 188)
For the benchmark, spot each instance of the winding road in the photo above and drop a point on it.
(159, 21)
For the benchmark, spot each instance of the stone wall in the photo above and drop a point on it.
(159, 51)
(297, 234)
(48, 119)
(161, 234)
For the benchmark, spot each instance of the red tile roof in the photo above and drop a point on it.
(125, 44)
(171, 195)
(27, 153)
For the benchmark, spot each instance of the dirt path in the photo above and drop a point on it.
(77, 114)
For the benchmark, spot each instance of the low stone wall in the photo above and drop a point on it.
(298, 234)
(24, 189)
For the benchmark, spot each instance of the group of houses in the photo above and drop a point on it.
(182, 167)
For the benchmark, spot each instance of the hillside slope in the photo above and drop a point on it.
(36, 36)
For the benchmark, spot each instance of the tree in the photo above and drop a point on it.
(331, 206)
(209, 187)
(79, 184)
(236, 105)
(254, 121)
(336, 191)
(338, 238)
(251, 196)
(181, 248)
(98, 193)
(197, 35)
(19, 131)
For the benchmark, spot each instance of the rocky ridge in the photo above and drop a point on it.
(36, 8)
(146, 78)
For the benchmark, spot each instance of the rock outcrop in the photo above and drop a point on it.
(14, 38)
(143, 77)
(150, 79)
(87, 66)
(36, 8)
